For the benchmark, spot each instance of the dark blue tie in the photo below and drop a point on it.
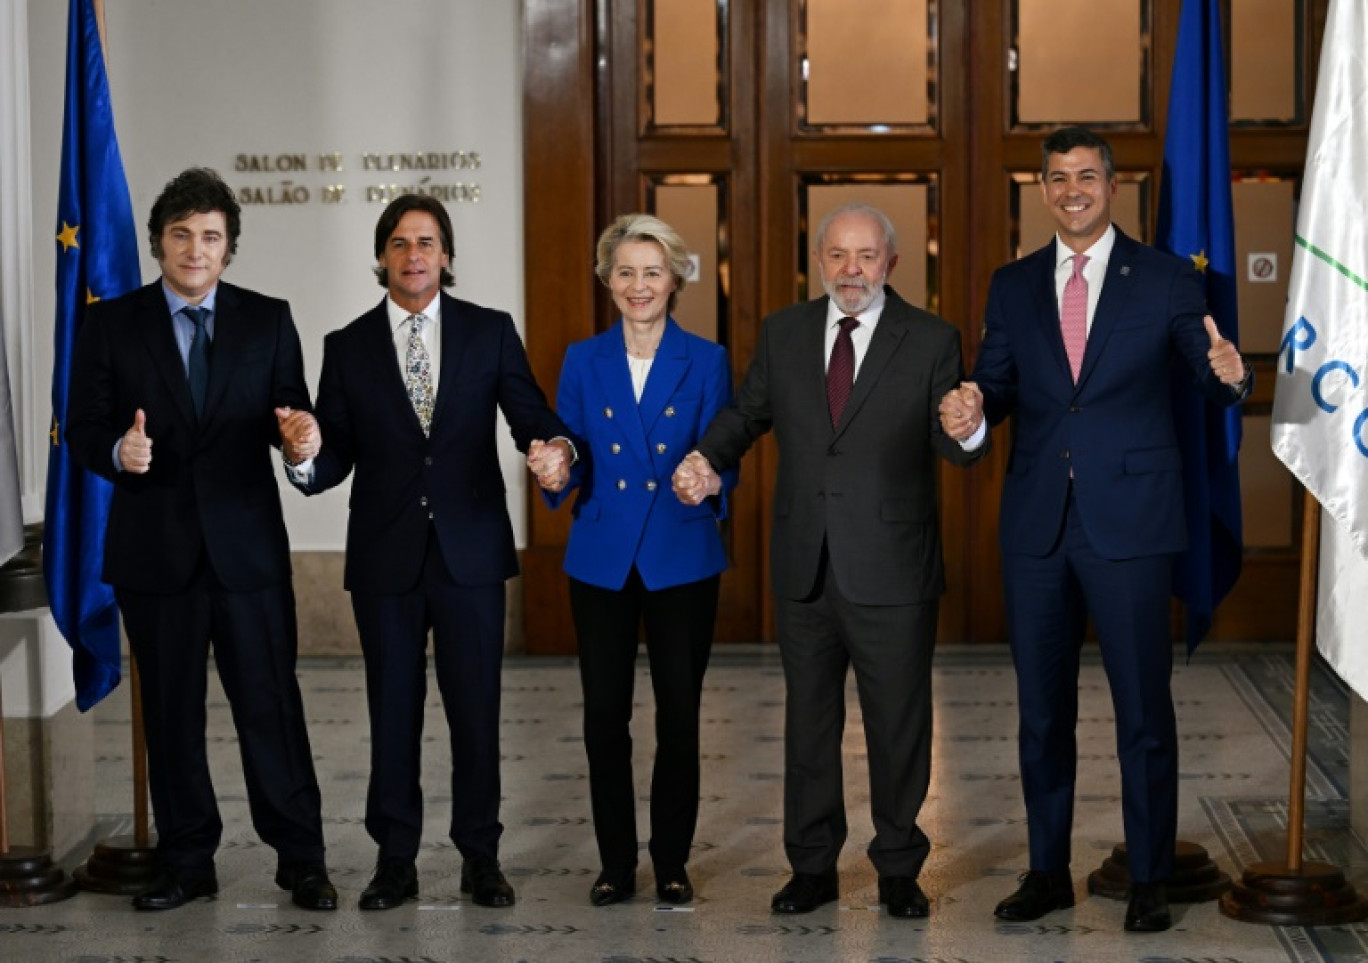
(198, 368)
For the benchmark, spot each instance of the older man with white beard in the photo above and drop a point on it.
(856, 564)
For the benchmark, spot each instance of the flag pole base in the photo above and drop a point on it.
(119, 865)
(28, 878)
(1195, 879)
(1315, 895)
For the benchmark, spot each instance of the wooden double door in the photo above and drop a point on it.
(740, 123)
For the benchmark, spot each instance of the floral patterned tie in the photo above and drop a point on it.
(418, 372)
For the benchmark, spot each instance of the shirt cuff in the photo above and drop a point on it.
(302, 473)
(975, 441)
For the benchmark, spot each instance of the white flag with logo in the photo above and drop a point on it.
(1320, 407)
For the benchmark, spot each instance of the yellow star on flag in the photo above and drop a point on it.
(91, 298)
(67, 237)
(55, 434)
(1199, 260)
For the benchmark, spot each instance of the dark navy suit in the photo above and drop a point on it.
(429, 546)
(196, 550)
(1092, 517)
(636, 553)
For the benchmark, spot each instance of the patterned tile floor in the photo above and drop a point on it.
(1234, 707)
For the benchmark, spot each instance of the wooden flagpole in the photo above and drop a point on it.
(124, 864)
(1297, 892)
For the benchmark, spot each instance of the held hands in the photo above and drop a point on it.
(961, 411)
(135, 451)
(695, 480)
(550, 461)
(1225, 359)
(300, 437)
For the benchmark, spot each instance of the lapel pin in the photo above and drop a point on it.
(1125, 270)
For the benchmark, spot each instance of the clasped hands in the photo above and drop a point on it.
(695, 480)
(961, 410)
(549, 462)
(300, 437)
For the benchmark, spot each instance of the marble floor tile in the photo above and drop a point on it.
(1234, 708)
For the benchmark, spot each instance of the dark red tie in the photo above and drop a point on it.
(841, 370)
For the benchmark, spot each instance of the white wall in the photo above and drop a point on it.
(198, 82)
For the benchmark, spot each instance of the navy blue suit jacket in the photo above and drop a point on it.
(1113, 429)
(448, 481)
(627, 513)
(212, 485)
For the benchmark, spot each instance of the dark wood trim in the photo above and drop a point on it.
(558, 228)
(591, 155)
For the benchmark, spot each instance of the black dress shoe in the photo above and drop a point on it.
(485, 883)
(1148, 911)
(608, 890)
(904, 897)
(395, 881)
(308, 883)
(674, 887)
(176, 888)
(805, 892)
(1040, 892)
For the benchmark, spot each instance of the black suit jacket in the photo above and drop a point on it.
(868, 486)
(407, 483)
(212, 485)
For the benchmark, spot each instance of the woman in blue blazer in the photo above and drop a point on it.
(639, 396)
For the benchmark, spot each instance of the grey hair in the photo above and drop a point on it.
(859, 207)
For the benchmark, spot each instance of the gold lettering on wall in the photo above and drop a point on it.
(297, 191)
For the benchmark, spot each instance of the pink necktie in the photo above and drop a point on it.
(841, 370)
(1073, 314)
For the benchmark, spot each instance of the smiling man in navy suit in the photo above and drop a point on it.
(1079, 341)
(172, 394)
(409, 399)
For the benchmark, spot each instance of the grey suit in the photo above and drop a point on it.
(855, 562)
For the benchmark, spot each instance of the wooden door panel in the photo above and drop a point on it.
(603, 140)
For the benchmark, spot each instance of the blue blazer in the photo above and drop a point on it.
(1113, 429)
(626, 512)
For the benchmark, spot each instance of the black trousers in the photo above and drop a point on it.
(255, 647)
(679, 632)
(466, 622)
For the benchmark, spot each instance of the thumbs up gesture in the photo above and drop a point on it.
(1224, 357)
(135, 451)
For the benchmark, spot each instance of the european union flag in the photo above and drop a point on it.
(97, 257)
(1196, 221)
